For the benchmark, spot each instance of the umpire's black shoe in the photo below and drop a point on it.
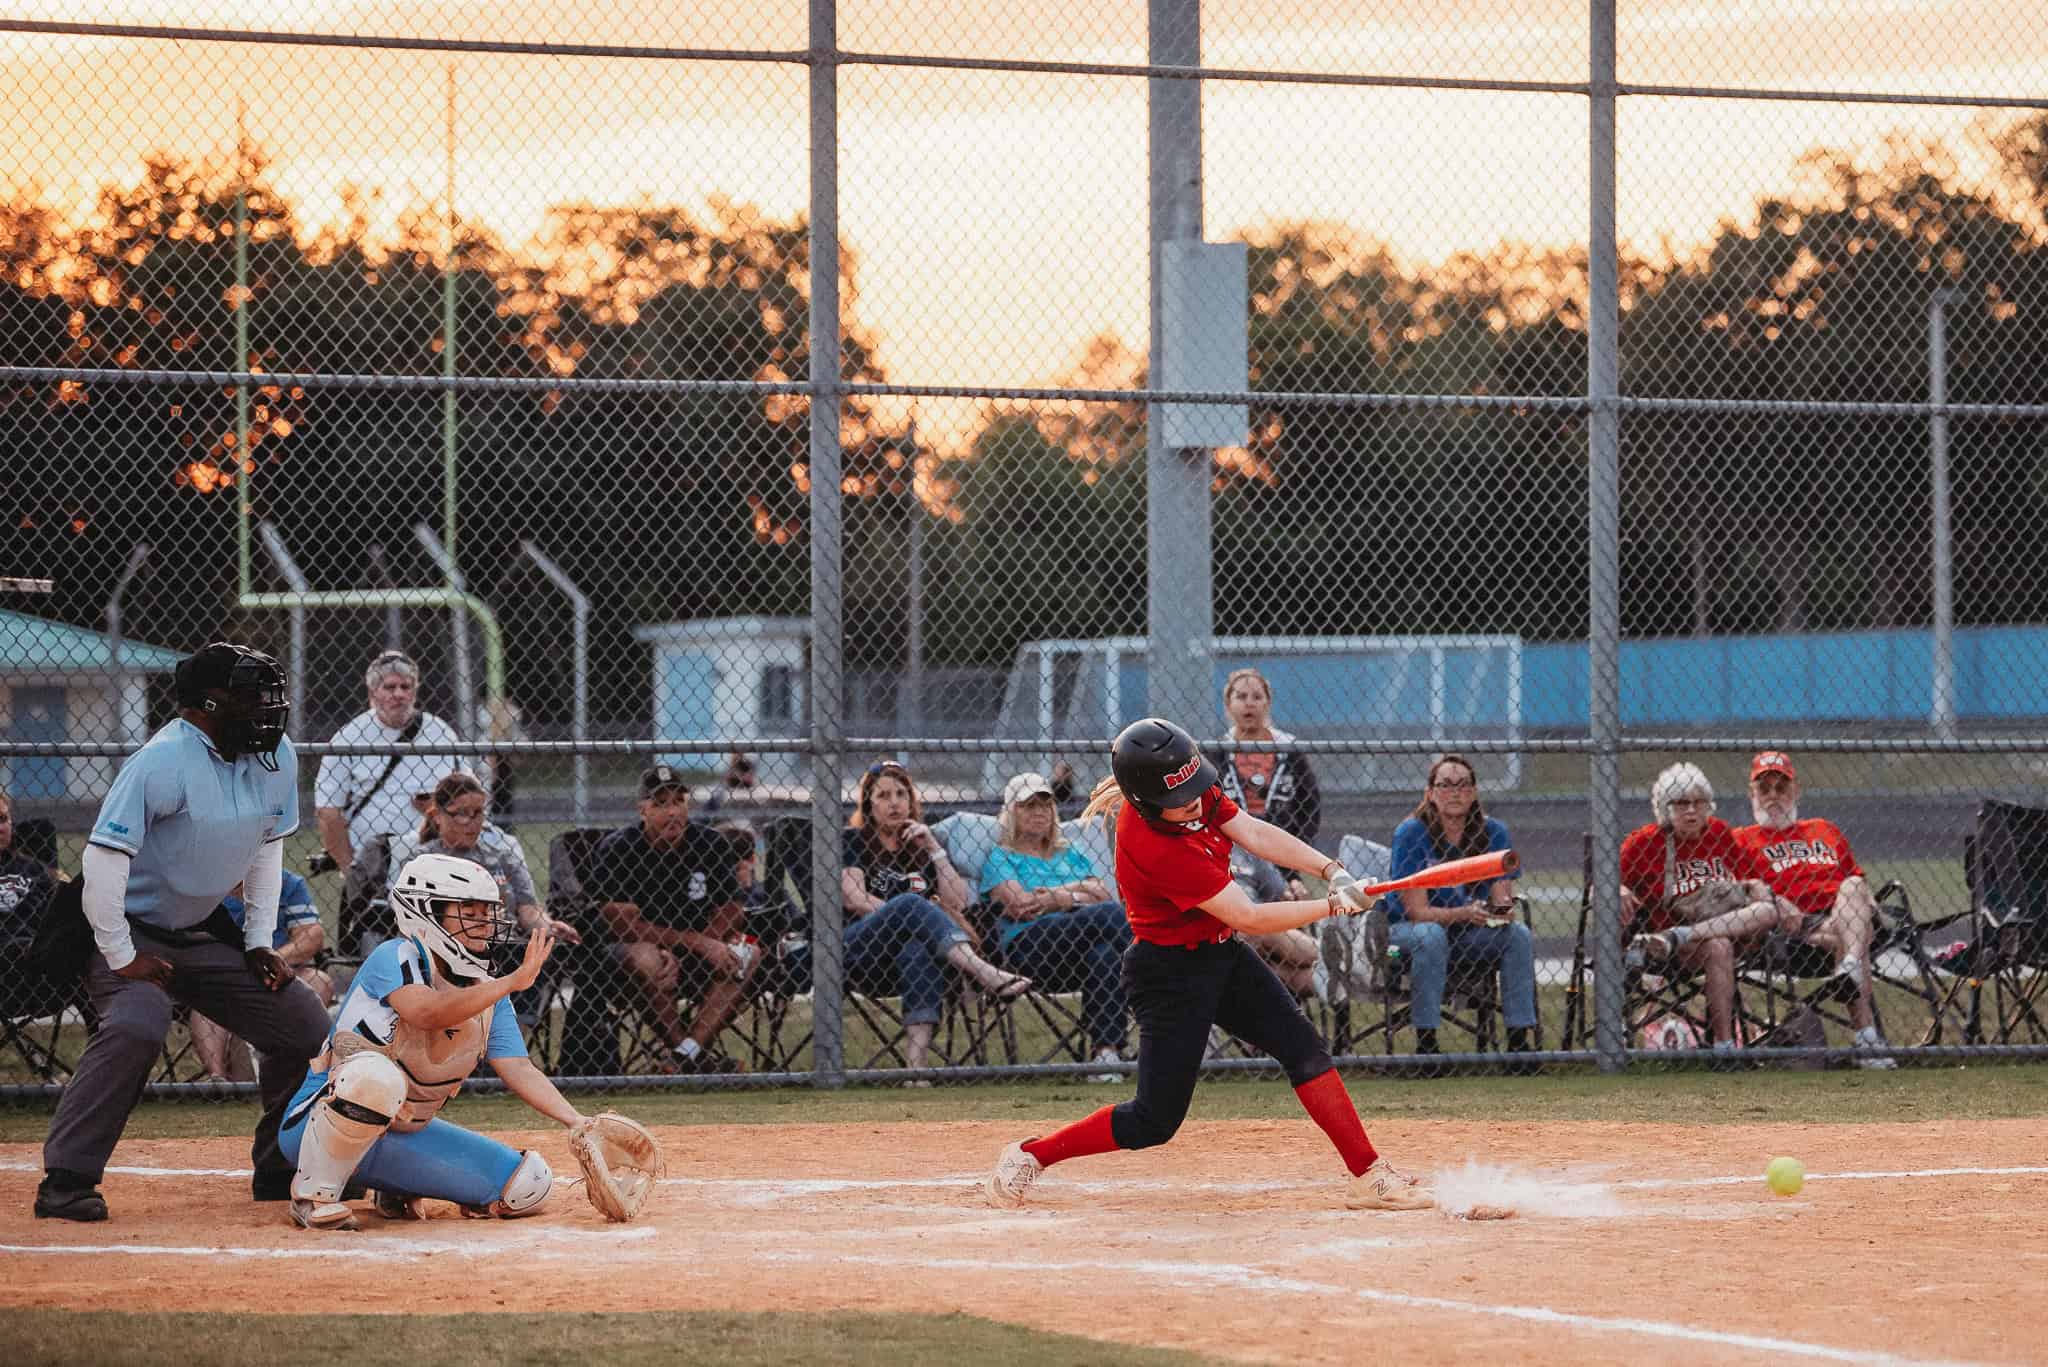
(272, 1186)
(83, 1204)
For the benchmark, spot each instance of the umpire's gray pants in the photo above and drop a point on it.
(286, 1028)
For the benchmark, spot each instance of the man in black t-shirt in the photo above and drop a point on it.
(25, 887)
(669, 894)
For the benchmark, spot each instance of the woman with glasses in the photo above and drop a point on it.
(906, 909)
(1056, 918)
(1467, 922)
(456, 824)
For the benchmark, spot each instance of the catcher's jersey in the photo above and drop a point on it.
(1805, 862)
(434, 1062)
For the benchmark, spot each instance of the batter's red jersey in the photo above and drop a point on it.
(1714, 855)
(1165, 870)
(1804, 862)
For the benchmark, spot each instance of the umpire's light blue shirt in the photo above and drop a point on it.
(192, 823)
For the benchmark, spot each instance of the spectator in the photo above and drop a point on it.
(360, 796)
(746, 871)
(1278, 788)
(1057, 921)
(670, 899)
(1064, 783)
(455, 823)
(26, 885)
(1470, 922)
(1683, 874)
(1807, 862)
(906, 909)
(298, 940)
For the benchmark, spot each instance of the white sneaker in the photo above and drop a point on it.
(1014, 1173)
(1875, 1062)
(321, 1214)
(1385, 1187)
(1107, 1055)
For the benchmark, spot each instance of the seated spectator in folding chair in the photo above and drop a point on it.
(906, 909)
(667, 893)
(1056, 920)
(298, 940)
(1699, 894)
(1807, 862)
(1467, 923)
(26, 885)
(1279, 788)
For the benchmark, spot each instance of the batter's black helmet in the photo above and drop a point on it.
(243, 690)
(1158, 765)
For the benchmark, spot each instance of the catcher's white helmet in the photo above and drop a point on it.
(432, 885)
(1680, 780)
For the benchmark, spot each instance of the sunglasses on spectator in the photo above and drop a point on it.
(886, 766)
(1452, 785)
(475, 813)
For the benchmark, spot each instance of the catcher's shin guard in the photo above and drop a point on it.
(526, 1190)
(363, 1093)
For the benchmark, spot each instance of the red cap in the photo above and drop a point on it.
(1772, 762)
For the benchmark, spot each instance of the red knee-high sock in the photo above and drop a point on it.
(1090, 1134)
(1329, 1105)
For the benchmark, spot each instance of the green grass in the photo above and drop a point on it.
(489, 1340)
(1645, 1095)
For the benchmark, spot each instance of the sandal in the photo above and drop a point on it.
(1012, 986)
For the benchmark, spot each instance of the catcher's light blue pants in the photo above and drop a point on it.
(440, 1161)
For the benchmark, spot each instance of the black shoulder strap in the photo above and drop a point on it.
(410, 734)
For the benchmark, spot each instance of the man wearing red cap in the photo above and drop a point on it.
(1808, 863)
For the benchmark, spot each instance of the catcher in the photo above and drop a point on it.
(419, 1016)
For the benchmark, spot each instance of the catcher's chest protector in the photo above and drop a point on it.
(434, 1063)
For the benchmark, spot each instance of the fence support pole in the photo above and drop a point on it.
(828, 678)
(579, 725)
(1942, 709)
(295, 579)
(1603, 631)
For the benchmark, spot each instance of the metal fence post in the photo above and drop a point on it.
(828, 677)
(1603, 629)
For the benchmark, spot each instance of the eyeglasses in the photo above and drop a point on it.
(1453, 785)
(475, 813)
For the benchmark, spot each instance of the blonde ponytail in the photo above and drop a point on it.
(1107, 802)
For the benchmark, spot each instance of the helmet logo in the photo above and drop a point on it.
(1185, 772)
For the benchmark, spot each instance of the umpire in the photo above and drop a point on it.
(205, 804)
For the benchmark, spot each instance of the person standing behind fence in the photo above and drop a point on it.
(1187, 969)
(357, 797)
(1279, 789)
(205, 804)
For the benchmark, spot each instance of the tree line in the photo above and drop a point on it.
(1329, 519)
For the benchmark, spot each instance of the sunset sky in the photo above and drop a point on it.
(999, 218)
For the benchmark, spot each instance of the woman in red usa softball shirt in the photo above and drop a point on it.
(1187, 970)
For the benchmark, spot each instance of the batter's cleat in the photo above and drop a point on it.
(1385, 1187)
(396, 1205)
(83, 1204)
(322, 1214)
(1014, 1173)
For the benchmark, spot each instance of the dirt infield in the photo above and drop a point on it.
(1635, 1243)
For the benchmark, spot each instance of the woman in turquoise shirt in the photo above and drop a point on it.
(1057, 923)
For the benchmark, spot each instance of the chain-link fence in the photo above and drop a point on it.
(674, 417)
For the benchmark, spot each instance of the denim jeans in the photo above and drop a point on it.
(1081, 948)
(911, 935)
(1430, 947)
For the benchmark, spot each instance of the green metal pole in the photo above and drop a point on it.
(242, 302)
(449, 441)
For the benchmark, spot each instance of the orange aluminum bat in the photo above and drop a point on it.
(1478, 869)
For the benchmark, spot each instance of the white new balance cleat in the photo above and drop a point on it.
(1014, 1173)
(321, 1214)
(1385, 1187)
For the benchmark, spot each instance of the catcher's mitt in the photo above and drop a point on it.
(620, 1161)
